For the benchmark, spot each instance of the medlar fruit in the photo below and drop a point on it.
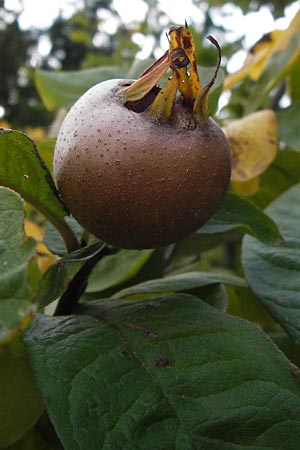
(140, 166)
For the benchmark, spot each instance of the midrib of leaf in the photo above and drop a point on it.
(121, 338)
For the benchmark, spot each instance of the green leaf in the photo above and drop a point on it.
(62, 89)
(53, 283)
(15, 252)
(181, 282)
(287, 346)
(46, 150)
(215, 295)
(58, 276)
(293, 81)
(21, 404)
(22, 169)
(32, 440)
(14, 317)
(288, 126)
(116, 269)
(243, 303)
(54, 241)
(173, 374)
(283, 174)
(238, 212)
(273, 271)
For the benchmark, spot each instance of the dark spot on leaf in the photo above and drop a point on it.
(146, 333)
(162, 362)
(126, 352)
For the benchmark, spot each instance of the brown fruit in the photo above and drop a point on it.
(134, 181)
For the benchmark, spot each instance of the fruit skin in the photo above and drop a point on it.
(133, 182)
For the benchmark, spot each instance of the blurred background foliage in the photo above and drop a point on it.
(83, 41)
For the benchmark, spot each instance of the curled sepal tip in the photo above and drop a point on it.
(201, 111)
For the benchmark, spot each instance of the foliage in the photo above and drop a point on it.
(195, 345)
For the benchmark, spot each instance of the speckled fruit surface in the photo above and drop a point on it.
(133, 182)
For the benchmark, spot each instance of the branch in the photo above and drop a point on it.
(78, 284)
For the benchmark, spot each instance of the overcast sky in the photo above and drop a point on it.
(40, 14)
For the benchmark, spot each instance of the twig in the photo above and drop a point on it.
(78, 284)
(279, 93)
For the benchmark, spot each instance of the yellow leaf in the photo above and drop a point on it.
(4, 124)
(33, 230)
(260, 53)
(246, 188)
(253, 144)
(44, 257)
(37, 134)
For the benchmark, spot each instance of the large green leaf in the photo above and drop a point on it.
(273, 271)
(238, 212)
(62, 89)
(22, 169)
(116, 269)
(179, 283)
(20, 403)
(15, 252)
(174, 374)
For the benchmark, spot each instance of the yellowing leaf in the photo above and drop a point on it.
(44, 257)
(253, 144)
(246, 188)
(37, 134)
(33, 230)
(260, 53)
(4, 124)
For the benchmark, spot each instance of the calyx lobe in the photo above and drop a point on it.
(145, 95)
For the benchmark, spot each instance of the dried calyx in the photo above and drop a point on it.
(144, 95)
